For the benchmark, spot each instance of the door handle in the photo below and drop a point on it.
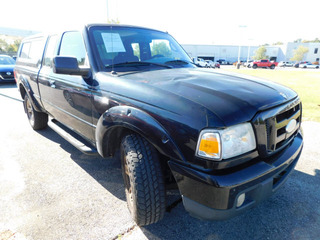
(52, 83)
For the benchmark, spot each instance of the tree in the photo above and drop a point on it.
(299, 53)
(260, 53)
(160, 48)
(3, 45)
(13, 47)
(113, 21)
(278, 43)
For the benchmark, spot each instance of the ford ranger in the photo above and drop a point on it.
(226, 141)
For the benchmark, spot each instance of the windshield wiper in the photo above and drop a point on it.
(125, 64)
(178, 62)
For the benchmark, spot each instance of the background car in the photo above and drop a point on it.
(297, 64)
(285, 64)
(308, 65)
(200, 62)
(6, 68)
(217, 65)
(211, 64)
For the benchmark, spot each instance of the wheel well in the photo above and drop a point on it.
(22, 91)
(112, 141)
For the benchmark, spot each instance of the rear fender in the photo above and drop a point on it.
(24, 88)
(133, 119)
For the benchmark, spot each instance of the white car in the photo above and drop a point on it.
(200, 62)
(308, 65)
(211, 64)
(285, 64)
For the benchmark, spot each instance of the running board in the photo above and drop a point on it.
(71, 139)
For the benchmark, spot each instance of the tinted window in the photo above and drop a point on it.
(32, 50)
(25, 50)
(36, 51)
(125, 49)
(72, 45)
(50, 51)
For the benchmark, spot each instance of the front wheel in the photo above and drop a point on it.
(37, 120)
(272, 66)
(143, 179)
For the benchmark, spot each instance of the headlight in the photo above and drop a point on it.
(227, 143)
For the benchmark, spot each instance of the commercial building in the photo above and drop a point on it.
(230, 53)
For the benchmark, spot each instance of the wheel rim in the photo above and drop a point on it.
(30, 112)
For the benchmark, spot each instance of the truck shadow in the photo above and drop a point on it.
(291, 213)
(107, 172)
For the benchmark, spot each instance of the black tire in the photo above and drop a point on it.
(37, 120)
(254, 66)
(143, 179)
(272, 66)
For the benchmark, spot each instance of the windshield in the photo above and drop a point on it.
(4, 60)
(124, 49)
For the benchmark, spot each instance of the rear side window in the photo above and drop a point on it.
(32, 51)
(24, 53)
(72, 45)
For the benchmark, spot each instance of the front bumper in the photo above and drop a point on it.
(214, 197)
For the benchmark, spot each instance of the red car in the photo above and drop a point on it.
(264, 63)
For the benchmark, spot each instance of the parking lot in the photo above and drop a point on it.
(50, 190)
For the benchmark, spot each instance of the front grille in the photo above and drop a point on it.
(275, 128)
(6, 76)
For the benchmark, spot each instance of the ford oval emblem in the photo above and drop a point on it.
(291, 126)
(9, 73)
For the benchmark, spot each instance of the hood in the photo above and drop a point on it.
(231, 98)
(6, 68)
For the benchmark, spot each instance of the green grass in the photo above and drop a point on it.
(305, 82)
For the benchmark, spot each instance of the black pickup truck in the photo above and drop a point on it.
(226, 141)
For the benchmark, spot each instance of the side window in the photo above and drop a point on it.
(32, 51)
(72, 45)
(36, 51)
(50, 51)
(25, 50)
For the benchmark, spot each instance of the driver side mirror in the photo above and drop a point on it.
(70, 66)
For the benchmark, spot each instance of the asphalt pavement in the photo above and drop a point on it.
(50, 190)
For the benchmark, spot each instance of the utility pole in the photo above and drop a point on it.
(239, 50)
(107, 11)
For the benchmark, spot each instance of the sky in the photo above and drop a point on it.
(230, 22)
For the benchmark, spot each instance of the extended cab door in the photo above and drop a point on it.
(67, 98)
(264, 63)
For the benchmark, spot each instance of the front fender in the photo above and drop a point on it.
(138, 121)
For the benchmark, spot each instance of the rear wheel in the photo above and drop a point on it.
(254, 66)
(143, 179)
(37, 120)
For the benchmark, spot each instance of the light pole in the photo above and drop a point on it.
(248, 57)
(239, 50)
